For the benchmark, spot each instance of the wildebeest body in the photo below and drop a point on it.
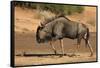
(60, 28)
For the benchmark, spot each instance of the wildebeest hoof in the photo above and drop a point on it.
(91, 55)
(61, 55)
(55, 52)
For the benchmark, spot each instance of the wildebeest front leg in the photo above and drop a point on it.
(53, 47)
(62, 46)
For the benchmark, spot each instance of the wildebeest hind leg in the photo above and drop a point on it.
(78, 43)
(90, 47)
(61, 44)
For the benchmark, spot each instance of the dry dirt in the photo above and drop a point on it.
(25, 29)
(26, 44)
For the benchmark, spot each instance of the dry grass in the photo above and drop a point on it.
(30, 19)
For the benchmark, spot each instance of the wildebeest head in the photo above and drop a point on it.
(42, 35)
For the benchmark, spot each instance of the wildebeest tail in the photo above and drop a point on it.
(88, 33)
(87, 36)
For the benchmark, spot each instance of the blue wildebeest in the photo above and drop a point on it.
(61, 27)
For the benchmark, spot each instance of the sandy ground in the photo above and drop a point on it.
(25, 29)
(21, 61)
(26, 44)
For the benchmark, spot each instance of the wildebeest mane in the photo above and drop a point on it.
(48, 20)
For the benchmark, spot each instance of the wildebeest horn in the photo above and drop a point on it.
(41, 24)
